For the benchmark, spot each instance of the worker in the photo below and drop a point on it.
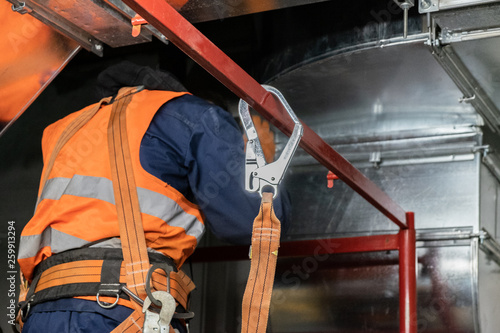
(188, 160)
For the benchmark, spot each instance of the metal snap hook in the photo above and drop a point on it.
(258, 173)
(164, 267)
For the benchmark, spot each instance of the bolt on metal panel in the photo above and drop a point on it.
(428, 6)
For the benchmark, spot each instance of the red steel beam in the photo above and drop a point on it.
(339, 245)
(304, 248)
(408, 278)
(192, 42)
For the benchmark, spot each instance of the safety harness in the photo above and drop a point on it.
(130, 276)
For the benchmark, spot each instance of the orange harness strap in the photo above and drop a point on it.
(264, 254)
(132, 236)
(127, 203)
(128, 210)
(89, 271)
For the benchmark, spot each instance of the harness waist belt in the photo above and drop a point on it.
(99, 272)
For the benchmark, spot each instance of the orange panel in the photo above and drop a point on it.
(32, 55)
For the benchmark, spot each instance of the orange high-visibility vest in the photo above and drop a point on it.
(77, 207)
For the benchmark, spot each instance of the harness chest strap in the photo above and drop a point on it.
(128, 211)
(127, 203)
(132, 236)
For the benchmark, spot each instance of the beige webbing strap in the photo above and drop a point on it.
(67, 134)
(265, 243)
(132, 236)
(127, 203)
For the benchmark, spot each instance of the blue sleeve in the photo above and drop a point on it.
(197, 148)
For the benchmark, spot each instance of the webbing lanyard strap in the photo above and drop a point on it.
(264, 254)
(266, 227)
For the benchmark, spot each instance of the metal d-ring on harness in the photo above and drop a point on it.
(105, 305)
(258, 174)
(266, 228)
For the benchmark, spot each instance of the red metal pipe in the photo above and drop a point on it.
(407, 277)
(192, 42)
(304, 248)
(339, 245)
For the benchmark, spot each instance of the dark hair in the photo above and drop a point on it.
(128, 74)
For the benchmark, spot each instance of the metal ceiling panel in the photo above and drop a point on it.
(208, 10)
(36, 54)
(95, 18)
(92, 23)
(470, 18)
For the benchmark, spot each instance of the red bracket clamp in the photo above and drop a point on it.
(137, 22)
(330, 178)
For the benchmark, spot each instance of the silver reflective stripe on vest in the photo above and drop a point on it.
(57, 240)
(82, 186)
(151, 203)
(168, 210)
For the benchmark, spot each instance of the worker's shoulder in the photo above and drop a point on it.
(189, 103)
(192, 110)
(62, 123)
(52, 132)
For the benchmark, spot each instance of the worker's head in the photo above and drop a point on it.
(128, 74)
